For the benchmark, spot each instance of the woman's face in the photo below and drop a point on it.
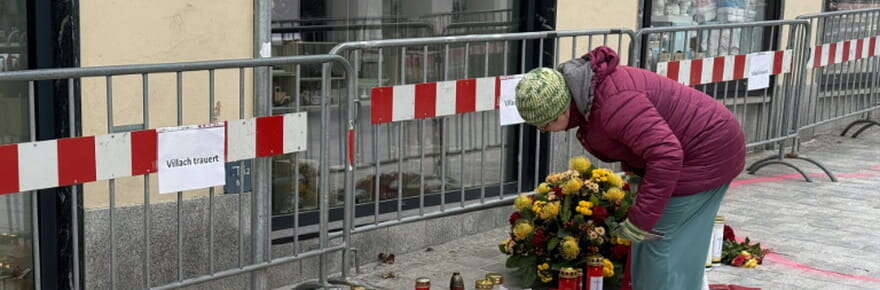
(559, 124)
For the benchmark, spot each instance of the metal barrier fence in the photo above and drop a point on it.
(151, 245)
(718, 60)
(423, 165)
(432, 164)
(842, 71)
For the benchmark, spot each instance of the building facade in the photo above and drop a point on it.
(84, 33)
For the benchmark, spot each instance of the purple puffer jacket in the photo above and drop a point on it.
(679, 139)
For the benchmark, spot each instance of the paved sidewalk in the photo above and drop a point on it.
(825, 235)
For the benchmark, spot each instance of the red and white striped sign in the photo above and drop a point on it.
(428, 100)
(843, 51)
(69, 161)
(719, 69)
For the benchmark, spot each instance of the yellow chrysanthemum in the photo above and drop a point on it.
(584, 208)
(538, 205)
(615, 180)
(614, 194)
(544, 267)
(607, 268)
(579, 164)
(601, 174)
(543, 188)
(572, 186)
(570, 248)
(522, 230)
(522, 202)
(549, 211)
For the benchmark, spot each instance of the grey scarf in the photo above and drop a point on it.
(578, 74)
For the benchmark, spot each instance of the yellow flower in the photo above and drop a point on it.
(746, 254)
(522, 230)
(522, 202)
(544, 267)
(584, 208)
(572, 186)
(543, 188)
(620, 241)
(615, 180)
(570, 248)
(538, 205)
(614, 194)
(546, 278)
(601, 174)
(549, 211)
(579, 164)
(607, 268)
(751, 263)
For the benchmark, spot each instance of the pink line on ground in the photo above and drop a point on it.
(783, 261)
(765, 179)
(792, 264)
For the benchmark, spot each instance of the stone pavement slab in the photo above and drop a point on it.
(824, 235)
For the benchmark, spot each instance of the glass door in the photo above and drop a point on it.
(16, 243)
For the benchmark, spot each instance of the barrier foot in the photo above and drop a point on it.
(757, 166)
(859, 132)
(814, 162)
(868, 123)
(754, 168)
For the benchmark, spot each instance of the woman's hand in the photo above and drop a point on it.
(630, 232)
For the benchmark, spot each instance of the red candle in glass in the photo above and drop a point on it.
(594, 273)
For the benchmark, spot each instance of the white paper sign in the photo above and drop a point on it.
(508, 115)
(760, 65)
(191, 158)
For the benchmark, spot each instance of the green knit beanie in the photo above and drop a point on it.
(541, 96)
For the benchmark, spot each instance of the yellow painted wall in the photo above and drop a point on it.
(161, 31)
(795, 8)
(595, 14)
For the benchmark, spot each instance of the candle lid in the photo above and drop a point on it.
(568, 273)
(595, 261)
(483, 284)
(495, 278)
(423, 282)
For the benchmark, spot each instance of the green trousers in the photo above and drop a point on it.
(677, 262)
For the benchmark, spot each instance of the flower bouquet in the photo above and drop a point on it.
(566, 220)
(741, 254)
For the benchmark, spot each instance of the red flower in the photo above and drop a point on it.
(626, 187)
(557, 190)
(728, 233)
(619, 251)
(539, 240)
(514, 217)
(600, 214)
(738, 261)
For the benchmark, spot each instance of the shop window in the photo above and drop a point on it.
(16, 243)
(308, 27)
(838, 5)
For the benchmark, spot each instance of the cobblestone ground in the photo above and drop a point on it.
(825, 235)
